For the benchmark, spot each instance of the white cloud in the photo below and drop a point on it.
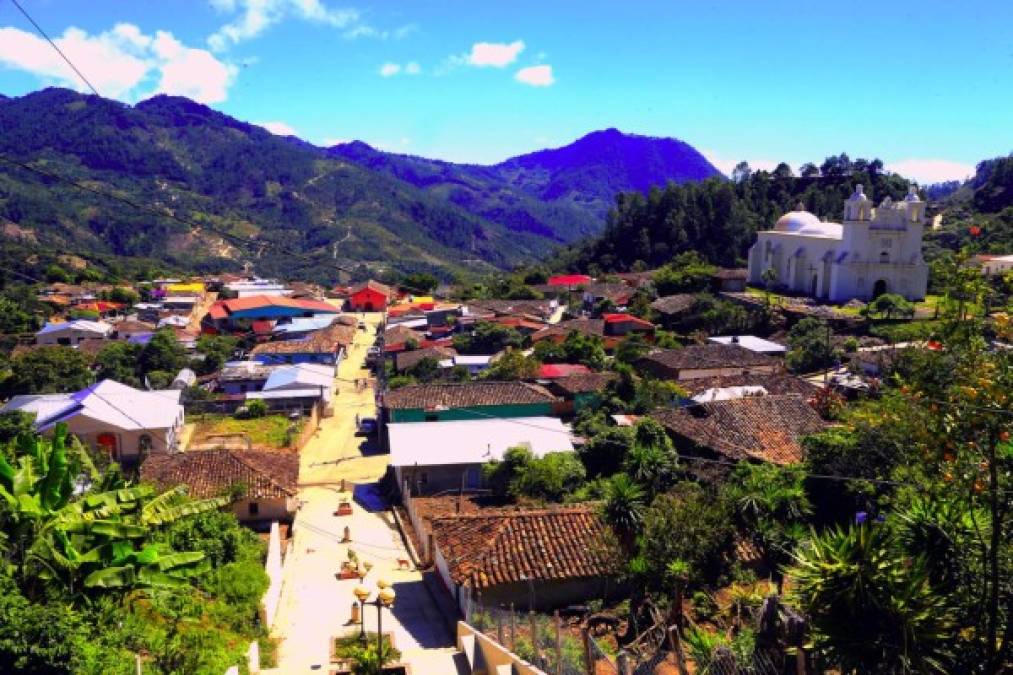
(536, 76)
(258, 15)
(390, 69)
(278, 128)
(931, 170)
(120, 63)
(495, 54)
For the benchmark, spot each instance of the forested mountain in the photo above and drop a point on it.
(255, 194)
(719, 219)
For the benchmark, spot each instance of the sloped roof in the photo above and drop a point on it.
(626, 318)
(550, 371)
(466, 394)
(257, 301)
(674, 304)
(117, 405)
(569, 280)
(583, 383)
(373, 286)
(765, 428)
(212, 473)
(490, 548)
(778, 383)
(543, 309)
(323, 341)
(710, 355)
(312, 375)
(594, 327)
(406, 360)
(77, 324)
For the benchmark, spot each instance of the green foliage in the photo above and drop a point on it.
(575, 348)
(14, 318)
(889, 305)
(119, 361)
(365, 655)
(605, 451)
(255, 409)
(419, 283)
(513, 365)
(686, 273)
(12, 425)
(691, 525)
(623, 508)
(631, 348)
(162, 353)
(47, 370)
(871, 603)
(487, 338)
(548, 478)
(217, 349)
(56, 274)
(809, 346)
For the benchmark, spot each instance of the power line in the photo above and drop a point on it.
(56, 47)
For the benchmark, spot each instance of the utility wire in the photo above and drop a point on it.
(56, 47)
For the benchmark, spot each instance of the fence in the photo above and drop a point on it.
(422, 534)
(546, 641)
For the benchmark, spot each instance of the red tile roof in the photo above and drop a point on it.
(212, 473)
(324, 341)
(552, 370)
(376, 286)
(490, 548)
(569, 280)
(466, 394)
(627, 318)
(583, 384)
(766, 428)
(710, 355)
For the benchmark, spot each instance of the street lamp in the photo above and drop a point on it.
(384, 598)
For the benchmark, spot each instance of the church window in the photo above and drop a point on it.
(887, 243)
(884, 257)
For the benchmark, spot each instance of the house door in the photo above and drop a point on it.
(108, 443)
(369, 306)
(473, 478)
(879, 288)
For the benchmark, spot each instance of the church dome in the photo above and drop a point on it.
(795, 221)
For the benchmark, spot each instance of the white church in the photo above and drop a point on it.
(874, 251)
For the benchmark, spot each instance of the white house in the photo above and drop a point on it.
(874, 251)
(72, 332)
(109, 416)
(315, 377)
(752, 343)
(435, 456)
(244, 289)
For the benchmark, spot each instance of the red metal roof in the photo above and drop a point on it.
(569, 280)
(626, 318)
(255, 301)
(553, 370)
(262, 327)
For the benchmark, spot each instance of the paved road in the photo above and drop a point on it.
(315, 605)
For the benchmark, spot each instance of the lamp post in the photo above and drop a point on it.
(384, 598)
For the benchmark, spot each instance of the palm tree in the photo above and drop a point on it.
(871, 607)
(623, 509)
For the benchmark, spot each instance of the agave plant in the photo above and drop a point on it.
(872, 608)
(95, 540)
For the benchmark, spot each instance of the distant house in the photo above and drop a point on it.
(473, 363)
(73, 332)
(239, 377)
(702, 389)
(620, 325)
(126, 329)
(611, 328)
(264, 483)
(758, 428)
(536, 559)
(327, 346)
(993, 265)
(185, 288)
(551, 371)
(257, 287)
(467, 401)
(709, 360)
(229, 315)
(314, 379)
(175, 321)
(569, 281)
(430, 457)
(540, 310)
(180, 304)
(148, 312)
(752, 343)
(409, 359)
(618, 294)
(730, 280)
(370, 296)
(293, 329)
(581, 390)
(674, 308)
(111, 417)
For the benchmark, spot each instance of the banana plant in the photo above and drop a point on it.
(100, 537)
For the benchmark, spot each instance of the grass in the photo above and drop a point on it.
(270, 430)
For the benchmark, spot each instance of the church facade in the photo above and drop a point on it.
(875, 250)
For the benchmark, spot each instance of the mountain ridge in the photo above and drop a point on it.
(350, 203)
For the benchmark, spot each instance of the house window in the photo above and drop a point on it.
(432, 417)
(144, 443)
(254, 508)
(423, 478)
(63, 341)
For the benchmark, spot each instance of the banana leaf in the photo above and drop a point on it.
(29, 506)
(175, 560)
(117, 529)
(174, 513)
(52, 484)
(152, 577)
(111, 577)
(6, 473)
(25, 477)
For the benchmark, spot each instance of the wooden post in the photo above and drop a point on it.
(623, 661)
(534, 636)
(513, 628)
(589, 657)
(800, 660)
(559, 642)
(676, 644)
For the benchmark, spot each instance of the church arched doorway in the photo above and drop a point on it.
(878, 288)
(813, 286)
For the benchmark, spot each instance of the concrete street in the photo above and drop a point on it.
(315, 606)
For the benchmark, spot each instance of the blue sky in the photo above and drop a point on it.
(927, 86)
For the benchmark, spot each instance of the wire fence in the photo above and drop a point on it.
(603, 662)
(546, 641)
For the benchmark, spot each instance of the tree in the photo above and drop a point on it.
(420, 283)
(512, 365)
(48, 370)
(623, 509)
(119, 361)
(741, 172)
(809, 170)
(162, 353)
(603, 453)
(424, 370)
(809, 346)
(870, 605)
(56, 274)
(652, 460)
(631, 348)
(686, 273)
(14, 319)
(217, 349)
(487, 338)
(576, 347)
(549, 478)
(889, 305)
